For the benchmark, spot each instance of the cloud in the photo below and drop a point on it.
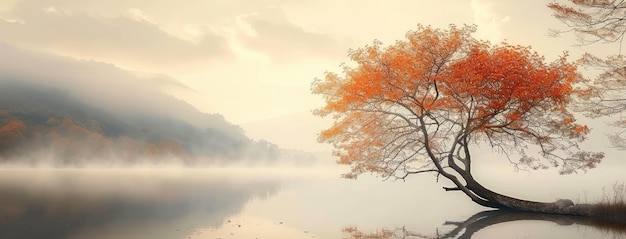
(489, 23)
(270, 31)
(148, 36)
(103, 85)
(130, 37)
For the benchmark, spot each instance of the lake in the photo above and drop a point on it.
(252, 203)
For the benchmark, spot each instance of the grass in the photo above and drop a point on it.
(611, 212)
(613, 205)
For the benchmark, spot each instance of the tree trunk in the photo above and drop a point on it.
(561, 206)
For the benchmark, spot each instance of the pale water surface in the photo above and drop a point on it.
(249, 203)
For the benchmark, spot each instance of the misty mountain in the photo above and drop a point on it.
(71, 112)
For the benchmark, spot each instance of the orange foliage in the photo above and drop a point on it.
(581, 129)
(13, 128)
(355, 233)
(12, 134)
(509, 80)
(165, 148)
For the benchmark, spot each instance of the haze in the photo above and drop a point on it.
(227, 83)
(251, 62)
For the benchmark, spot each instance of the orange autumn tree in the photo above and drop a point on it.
(422, 104)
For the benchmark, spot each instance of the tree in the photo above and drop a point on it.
(607, 94)
(593, 20)
(600, 21)
(423, 104)
(12, 134)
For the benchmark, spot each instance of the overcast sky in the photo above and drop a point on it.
(253, 60)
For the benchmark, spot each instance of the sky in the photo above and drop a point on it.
(253, 61)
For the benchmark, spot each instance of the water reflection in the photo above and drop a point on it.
(479, 221)
(121, 204)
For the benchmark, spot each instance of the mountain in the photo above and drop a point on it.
(62, 111)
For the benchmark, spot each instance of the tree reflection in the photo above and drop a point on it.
(484, 219)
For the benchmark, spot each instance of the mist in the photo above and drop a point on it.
(59, 111)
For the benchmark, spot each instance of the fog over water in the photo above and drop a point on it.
(192, 119)
(245, 203)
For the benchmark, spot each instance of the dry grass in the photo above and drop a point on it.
(613, 205)
(611, 212)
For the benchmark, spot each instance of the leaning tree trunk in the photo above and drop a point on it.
(561, 206)
(485, 197)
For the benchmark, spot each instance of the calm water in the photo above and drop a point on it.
(250, 203)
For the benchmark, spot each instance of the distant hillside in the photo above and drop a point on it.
(65, 111)
(39, 121)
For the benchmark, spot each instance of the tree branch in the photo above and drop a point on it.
(452, 189)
